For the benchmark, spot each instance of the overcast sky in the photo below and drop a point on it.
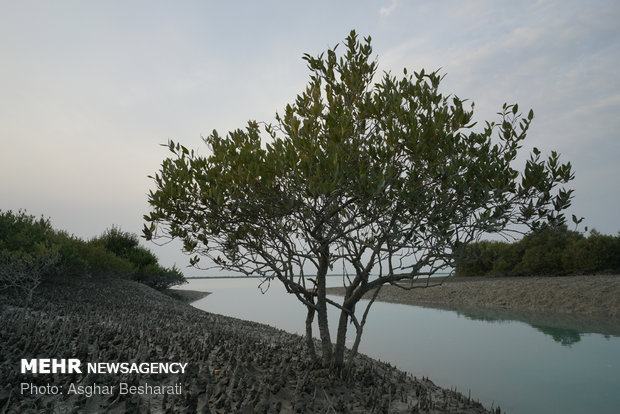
(89, 89)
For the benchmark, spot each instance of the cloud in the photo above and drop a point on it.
(386, 11)
(559, 58)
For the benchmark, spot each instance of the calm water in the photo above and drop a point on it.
(523, 363)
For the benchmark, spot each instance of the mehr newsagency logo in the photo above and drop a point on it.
(75, 366)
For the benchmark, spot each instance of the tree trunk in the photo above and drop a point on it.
(359, 329)
(341, 339)
(309, 340)
(356, 343)
(326, 342)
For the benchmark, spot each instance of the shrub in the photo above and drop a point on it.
(479, 259)
(27, 252)
(159, 277)
(126, 245)
(72, 262)
(508, 258)
(102, 262)
(30, 250)
(24, 232)
(549, 251)
(142, 257)
(146, 268)
(542, 251)
(597, 253)
(23, 272)
(119, 242)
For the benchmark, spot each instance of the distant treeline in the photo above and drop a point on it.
(31, 251)
(550, 251)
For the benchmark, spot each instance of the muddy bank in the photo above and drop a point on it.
(591, 296)
(185, 295)
(232, 365)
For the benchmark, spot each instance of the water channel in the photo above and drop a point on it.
(524, 363)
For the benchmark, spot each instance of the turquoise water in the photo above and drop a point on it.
(524, 363)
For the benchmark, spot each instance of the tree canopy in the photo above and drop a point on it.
(382, 178)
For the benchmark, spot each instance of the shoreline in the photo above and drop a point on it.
(185, 295)
(596, 296)
(232, 364)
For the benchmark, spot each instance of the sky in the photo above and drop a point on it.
(90, 89)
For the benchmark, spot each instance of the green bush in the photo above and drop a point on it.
(27, 252)
(507, 259)
(147, 270)
(549, 251)
(479, 259)
(23, 272)
(159, 277)
(30, 249)
(597, 253)
(72, 262)
(102, 262)
(543, 251)
(24, 232)
(126, 245)
(79, 258)
(142, 257)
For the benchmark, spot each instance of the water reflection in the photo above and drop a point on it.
(565, 329)
(565, 337)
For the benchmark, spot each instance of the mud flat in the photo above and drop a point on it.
(596, 296)
(232, 365)
(186, 295)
